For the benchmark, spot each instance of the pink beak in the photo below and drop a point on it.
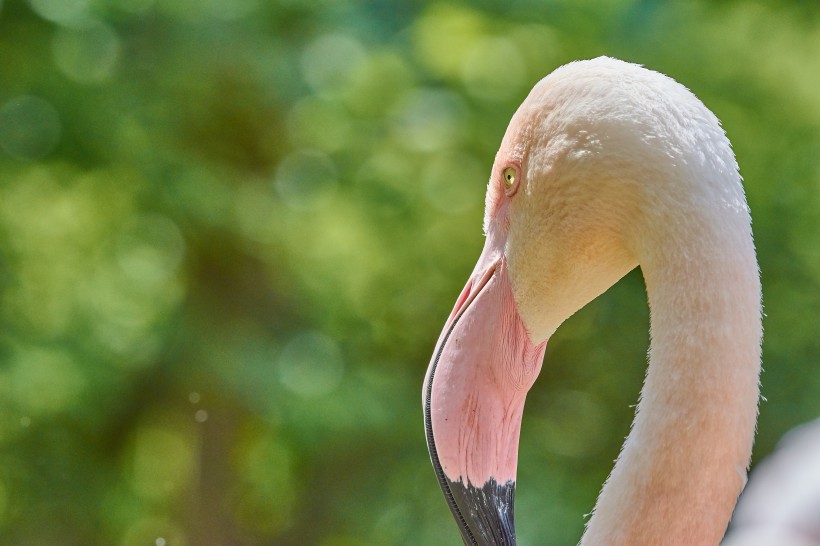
(483, 365)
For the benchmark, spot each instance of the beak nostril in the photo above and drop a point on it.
(462, 298)
(471, 292)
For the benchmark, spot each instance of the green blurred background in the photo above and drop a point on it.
(231, 230)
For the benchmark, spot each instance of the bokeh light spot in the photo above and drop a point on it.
(150, 250)
(60, 11)
(29, 128)
(153, 530)
(445, 34)
(427, 120)
(311, 364)
(202, 10)
(87, 54)
(376, 83)
(328, 61)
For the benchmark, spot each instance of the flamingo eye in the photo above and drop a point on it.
(509, 177)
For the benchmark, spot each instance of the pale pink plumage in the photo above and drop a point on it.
(617, 166)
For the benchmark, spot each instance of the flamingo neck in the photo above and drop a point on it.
(684, 462)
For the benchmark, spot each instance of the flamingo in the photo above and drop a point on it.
(606, 166)
(782, 503)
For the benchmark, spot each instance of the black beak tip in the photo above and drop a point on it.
(484, 514)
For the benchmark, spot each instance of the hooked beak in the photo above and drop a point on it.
(473, 397)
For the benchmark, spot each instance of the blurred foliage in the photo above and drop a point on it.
(231, 230)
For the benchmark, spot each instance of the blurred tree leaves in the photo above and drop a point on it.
(230, 232)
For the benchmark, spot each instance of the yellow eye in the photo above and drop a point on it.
(509, 177)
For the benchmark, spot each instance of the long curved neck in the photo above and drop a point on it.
(684, 462)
